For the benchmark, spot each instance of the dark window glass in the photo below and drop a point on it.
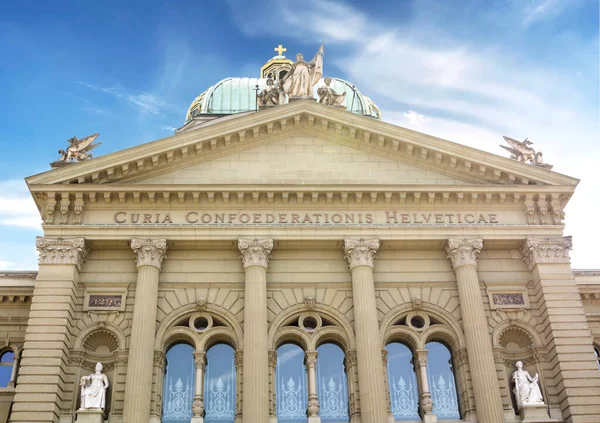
(178, 391)
(597, 352)
(292, 394)
(219, 385)
(404, 392)
(332, 384)
(441, 382)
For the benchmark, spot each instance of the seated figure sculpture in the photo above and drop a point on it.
(527, 391)
(328, 96)
(270, 96)
(93, 390)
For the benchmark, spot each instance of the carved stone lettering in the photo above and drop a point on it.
(508, 299)
(105, 301)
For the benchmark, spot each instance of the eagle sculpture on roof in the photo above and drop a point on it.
(521, 151)
(78, 150)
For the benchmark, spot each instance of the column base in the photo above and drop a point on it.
(535, 413)
(430, 418)
(90, 415)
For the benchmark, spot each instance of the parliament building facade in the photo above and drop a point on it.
(300, 262)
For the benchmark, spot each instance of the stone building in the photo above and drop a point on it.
(300, 262)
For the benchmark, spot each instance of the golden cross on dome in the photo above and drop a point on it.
(280, 49)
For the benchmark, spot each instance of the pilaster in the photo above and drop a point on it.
(256, 254)
(360, 255)
(149, 255)
(49, 330)
(463, 254)
(565, 328)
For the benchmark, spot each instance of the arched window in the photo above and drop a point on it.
(292, 392)
(178, 390)
(597, 352)
(219, 385)
(332, 384)
(7, 361)
(402, 382)
(441, 382)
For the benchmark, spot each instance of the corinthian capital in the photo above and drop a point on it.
(464, 251)
(255, 252)
(149, 251)
(546, 250)
(61, 250)
(360, 252)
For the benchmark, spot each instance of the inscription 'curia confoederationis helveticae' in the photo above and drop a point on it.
(304, 218)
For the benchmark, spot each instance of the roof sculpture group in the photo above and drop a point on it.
(78, 150)
(521, 151)
(298, 84)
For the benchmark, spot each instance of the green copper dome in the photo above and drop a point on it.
(238, 95)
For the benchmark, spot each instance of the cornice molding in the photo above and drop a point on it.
(360, 252)
(255, 252)
(463, 251)
(149, 251)
(62, 250)
(546, 250)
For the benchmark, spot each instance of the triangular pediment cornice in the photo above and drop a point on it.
(221, 138)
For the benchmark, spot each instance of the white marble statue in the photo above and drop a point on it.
(527, 391)
(93, 389)
(303, 76)
(328, 96)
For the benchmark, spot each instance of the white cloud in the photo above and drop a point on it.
(145, 102)
(17, 208)
(168, 128)
(544, 9)
(7, 265)
(415, 119)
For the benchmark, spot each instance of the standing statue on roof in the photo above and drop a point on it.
(303, 76)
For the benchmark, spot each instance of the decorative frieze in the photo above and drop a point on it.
(463, 252)
(149, 251)
(360, 252)
(62, 250)
(255, 252)
(546, 250)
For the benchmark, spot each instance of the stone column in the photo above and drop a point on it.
(488, 403)
(149, 254)
(272, 386)
(255, 259)
(238, 357)
(425, 403)
(384, 360)
(313, 400)
(50, 331)
(571, 354)
(198, 404)
(360, 254)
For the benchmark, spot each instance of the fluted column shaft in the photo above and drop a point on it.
(360, 254)
(463, 253)
(150, 254)
(255, 259)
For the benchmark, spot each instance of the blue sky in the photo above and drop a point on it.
(469, 71)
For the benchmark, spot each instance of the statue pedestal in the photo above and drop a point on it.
(90, 415)
(290, 99)
(430, 418)
(197, 419)
(535, 413)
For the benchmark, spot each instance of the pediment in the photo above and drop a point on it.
(302, 159)
(219, 142)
